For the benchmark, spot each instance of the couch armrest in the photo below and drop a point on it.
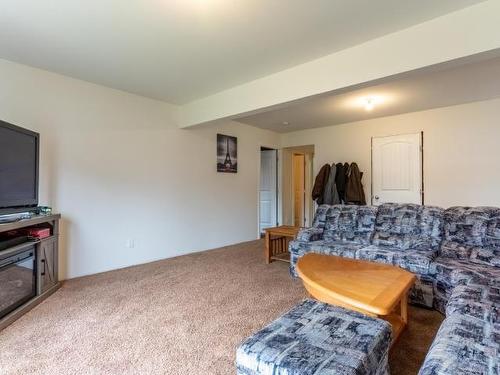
(310, 234)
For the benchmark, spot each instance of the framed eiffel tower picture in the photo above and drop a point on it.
(227, 154)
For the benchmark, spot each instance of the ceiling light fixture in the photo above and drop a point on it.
(369, 104)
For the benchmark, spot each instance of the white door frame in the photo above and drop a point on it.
(304, 177)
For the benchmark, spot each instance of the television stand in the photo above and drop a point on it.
(46, 253)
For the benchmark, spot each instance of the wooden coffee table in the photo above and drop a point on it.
(277, 239)
(374, 289)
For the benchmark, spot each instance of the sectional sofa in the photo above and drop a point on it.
(455, 254)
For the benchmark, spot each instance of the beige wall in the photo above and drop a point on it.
(118, 167)
(461, 149)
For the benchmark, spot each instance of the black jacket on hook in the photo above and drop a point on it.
(340, 181)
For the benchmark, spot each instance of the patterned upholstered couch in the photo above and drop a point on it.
(455, 254)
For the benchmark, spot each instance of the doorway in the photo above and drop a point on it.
(397, 169)
(299, 192)
(268, 191)
(297, 181)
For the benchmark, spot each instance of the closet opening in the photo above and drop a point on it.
(297, 181)
(299, 192)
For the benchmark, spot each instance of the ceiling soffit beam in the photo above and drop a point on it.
(466, 32)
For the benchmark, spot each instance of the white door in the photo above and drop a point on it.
(268, 192)
(397, 169)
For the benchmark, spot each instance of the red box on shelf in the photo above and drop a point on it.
(38, 232)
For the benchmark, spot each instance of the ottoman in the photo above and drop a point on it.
(317, 338)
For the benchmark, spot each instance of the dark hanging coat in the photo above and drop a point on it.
(340, 181)
(346, 170)
(330, 194)
(354, 188)
(319, 183)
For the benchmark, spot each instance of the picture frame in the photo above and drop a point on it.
(227, 154)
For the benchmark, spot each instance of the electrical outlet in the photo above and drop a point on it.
(130, 244)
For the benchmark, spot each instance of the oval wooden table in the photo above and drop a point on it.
(374, 289)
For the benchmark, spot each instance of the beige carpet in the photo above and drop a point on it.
(179, 316)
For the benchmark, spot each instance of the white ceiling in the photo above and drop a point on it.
(440, 86)
(181, 50)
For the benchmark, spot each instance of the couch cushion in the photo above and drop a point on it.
(347, 250)
(431, 227)
(310, 234)
(441, 291)
(466, 226)
(320, 216)
(416, 261)
(378, 254)
(455, 250)
(485, 256)
(320, 339)
(422, 293)
(455, 272)
(475, 254)
(468, 340)
(408, 226)
(449, 273)
(463, 345)
(352, 224)
(472, 234)
(477, 301)
(492, 237)
(395, 225)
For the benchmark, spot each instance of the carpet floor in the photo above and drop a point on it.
(184, 315)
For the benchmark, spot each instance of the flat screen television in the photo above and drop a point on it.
(19, 150)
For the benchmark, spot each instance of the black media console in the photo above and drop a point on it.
(28, 266)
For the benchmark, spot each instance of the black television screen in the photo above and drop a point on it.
(18, 168)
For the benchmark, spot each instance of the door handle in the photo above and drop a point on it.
(43, 269)
(376, 197)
